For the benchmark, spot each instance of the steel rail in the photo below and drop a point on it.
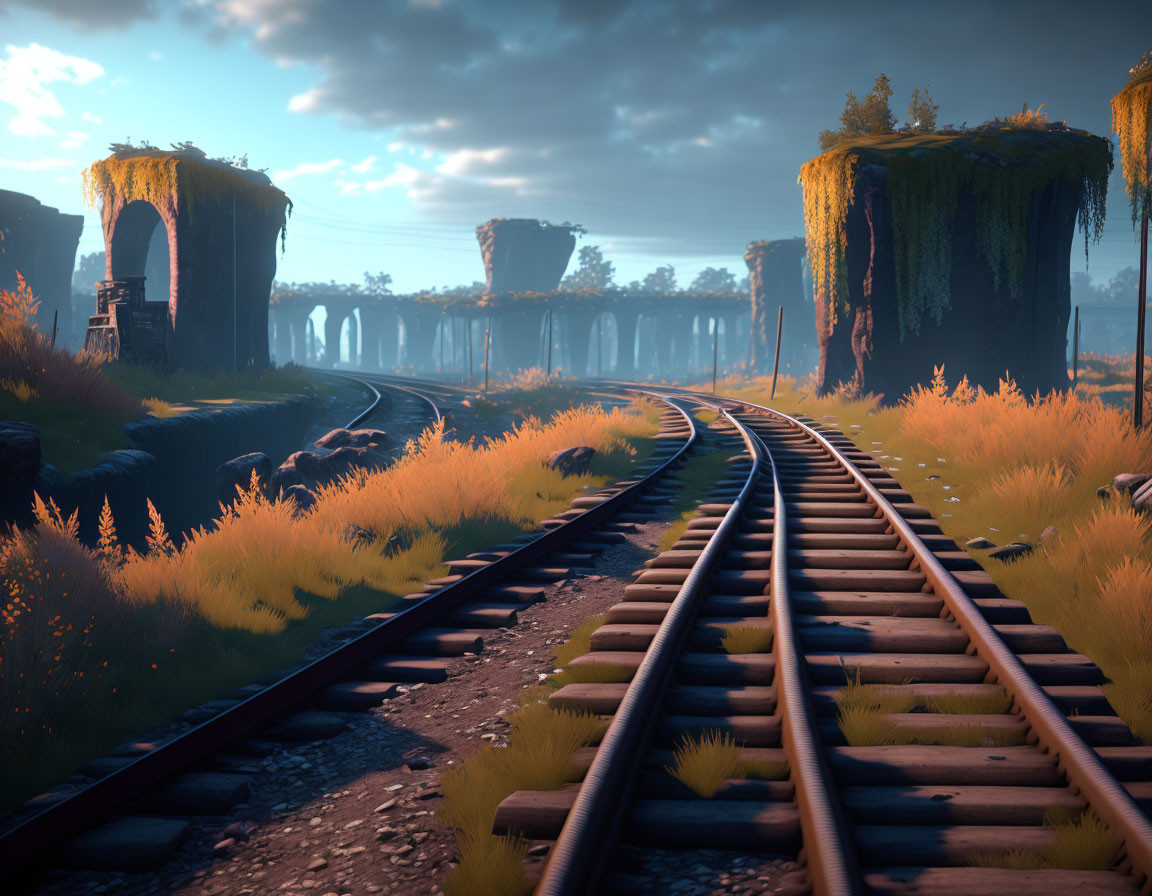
(34, 836)
(829, 855)
(383, 380)
(580, 854)
(1079, 763)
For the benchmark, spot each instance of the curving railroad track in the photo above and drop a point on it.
(989, 724)
(984, 726)
(134, 811)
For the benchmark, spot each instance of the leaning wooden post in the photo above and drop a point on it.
(1142, 300)
(1076, 348)
(487, 336)
(776, 360)
(55, 315)
(468, 348)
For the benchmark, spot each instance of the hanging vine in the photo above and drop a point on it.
(1003, 167)
(829, 186)
(1131, 112)
(158, 177)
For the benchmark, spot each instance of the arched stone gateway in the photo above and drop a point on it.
(222, 225)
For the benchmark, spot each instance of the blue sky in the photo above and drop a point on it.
(673, 131)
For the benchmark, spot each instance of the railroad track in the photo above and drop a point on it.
(983, 724)
(135, 812)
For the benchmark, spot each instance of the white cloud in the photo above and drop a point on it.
(23, 79)
(306, 168)
(96, 119)
(369, 163)
(465, 162)
(39, 164)
(307, 101)
(157, 56)
(74, 139)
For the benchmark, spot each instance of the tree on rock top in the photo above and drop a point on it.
(661, 280)
(592, 273)
(714, 280)
(873, 116)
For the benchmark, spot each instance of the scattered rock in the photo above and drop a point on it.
(304, 498)
(241, 831)
(979, 543)
(237, 473)
(540, 849)
(353, 438)
(1011, 551)
(224, 845)
(418, 764)
(318, 864)
(1142, 498)
(1049, 532)
(385, 806)
(1105, 492)
(1130, 483)
(572, 461)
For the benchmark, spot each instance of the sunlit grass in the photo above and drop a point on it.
(747, 638)
(698, 475)
(538, 756)
(249, 594)
(996, 703)
(705, 762)
(1008, 467)
(579, 641)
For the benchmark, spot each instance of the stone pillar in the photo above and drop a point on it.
(776, 277)
(520, 337)
(333, 323)
(371, 328)
(389, 341)
(420, 333)
(283, 343)
(578, 323)
(625, 342)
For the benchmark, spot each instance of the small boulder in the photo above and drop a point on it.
(1105, 492)
(1013, 551)
(571, 461)
(237, 473)
(1130, 483)
(19, 458)
(1142, 498)
(979, 543)
(303, 498)
(353, 438)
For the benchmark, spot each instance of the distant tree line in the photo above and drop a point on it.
(593, 272)
(1105, 334)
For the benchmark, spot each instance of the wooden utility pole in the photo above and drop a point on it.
(487, 336)
(549, 343)
(715, 345)
(776, 360)
(1076, 348)
(468, 348)
(1142, 299)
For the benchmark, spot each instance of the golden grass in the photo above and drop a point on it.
(704, 763)
(579, 641)
(1007, 467)
(157, 407)
(538, 756)
(697, 476)
(864, 715)
(976, 704)
(1083, 843)
(212, 600)
(747, 639)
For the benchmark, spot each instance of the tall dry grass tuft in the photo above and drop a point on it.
(211, 601)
